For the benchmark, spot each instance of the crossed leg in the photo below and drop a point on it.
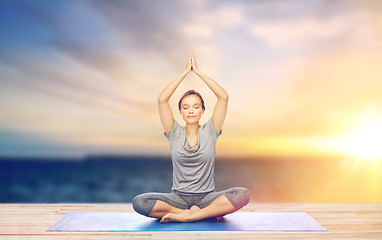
(218, 208)
(171, 208)
(161, 208)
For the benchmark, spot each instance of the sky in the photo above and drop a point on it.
(82, 77)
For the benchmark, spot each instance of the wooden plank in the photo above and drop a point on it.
(343, 221)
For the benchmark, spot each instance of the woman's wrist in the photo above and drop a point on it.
(185, 72)
(197, 71)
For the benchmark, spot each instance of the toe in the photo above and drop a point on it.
(194, 208)
(164, 218)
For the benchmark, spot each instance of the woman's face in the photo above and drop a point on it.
(191, 109)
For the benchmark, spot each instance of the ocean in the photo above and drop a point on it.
(117, 179)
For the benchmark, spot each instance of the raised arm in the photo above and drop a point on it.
(165, 112)
(220, 110)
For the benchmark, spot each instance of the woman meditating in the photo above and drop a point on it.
(193, 194)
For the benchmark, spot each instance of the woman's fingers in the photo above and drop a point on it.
(189, 65)
(193, 66)
(190, 57)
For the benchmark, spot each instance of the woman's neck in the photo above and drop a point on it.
(192, 128)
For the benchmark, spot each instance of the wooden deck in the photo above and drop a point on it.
(343, 221)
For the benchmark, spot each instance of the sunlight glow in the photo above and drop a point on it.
(366, 141)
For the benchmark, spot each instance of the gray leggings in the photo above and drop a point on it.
(144, 203)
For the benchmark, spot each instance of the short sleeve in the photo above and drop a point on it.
(212, 129)
(172, 134)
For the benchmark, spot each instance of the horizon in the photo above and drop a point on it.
(332, 159)
(103, 179)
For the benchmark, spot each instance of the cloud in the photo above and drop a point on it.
(209, 23)
(141, 26)
(297, 24)
(301, 31)
(292, 68)
(73, 83)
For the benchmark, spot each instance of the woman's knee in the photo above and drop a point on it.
(238, 196)
(142, 204)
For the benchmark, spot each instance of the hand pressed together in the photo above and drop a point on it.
(191, 63)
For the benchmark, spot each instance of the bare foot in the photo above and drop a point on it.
(194, 208)
(176, 217)
(183, 216)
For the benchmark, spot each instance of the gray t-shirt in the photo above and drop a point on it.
(193, 167)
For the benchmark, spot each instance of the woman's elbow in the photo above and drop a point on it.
(162, 99)
(224, 97)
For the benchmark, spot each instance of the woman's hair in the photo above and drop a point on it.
(190, 92)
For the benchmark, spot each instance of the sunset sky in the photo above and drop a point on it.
(82, 77)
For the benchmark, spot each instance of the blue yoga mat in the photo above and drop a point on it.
(134, 222)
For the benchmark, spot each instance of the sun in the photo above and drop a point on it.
(365, 142)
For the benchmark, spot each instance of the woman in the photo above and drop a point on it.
(193, 194)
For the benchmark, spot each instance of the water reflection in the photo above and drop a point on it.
(111, 179)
